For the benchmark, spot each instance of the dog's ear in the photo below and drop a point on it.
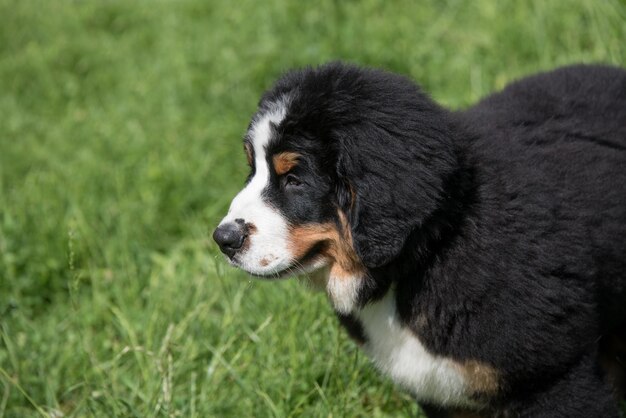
(390, 179)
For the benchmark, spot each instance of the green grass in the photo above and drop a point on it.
(120, 128)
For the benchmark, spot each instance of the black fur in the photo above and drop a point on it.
(504, 225)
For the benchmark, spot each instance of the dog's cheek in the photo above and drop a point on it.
(302, 239)
(345, 270)
(334, 245)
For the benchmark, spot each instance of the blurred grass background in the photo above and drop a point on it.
(120, 130)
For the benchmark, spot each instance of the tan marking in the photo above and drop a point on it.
(285, 161)
(266, 260)
(482, 378)
(338, 249)
(248, 150)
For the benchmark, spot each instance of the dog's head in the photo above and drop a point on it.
(344, 164)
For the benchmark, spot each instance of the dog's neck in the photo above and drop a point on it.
(431, 242)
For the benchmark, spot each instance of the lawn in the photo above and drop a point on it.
(120, 149)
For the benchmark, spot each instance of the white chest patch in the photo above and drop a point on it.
(399, 354)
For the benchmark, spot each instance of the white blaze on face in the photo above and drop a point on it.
(267, 251)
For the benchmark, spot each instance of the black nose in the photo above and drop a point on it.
(230, 237)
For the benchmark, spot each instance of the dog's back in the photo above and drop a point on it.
(564, 134)
(556, 144)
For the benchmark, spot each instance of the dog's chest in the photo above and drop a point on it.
(398, 353)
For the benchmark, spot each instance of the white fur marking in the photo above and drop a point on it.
(269, 242)
(398, 353)
(343, 293)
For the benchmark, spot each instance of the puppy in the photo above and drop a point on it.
(478, 257)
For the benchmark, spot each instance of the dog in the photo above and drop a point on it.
(478, 257)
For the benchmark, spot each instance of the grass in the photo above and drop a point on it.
(120, 128)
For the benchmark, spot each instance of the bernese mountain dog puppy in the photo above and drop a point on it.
(478, 257)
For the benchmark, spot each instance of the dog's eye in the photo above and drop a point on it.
(292, 181)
